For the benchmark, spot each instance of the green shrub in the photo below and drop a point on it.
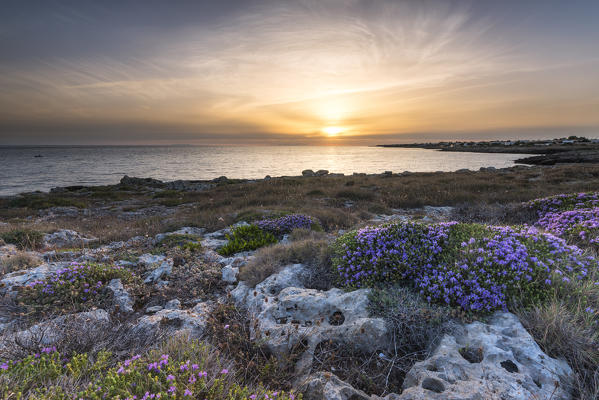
(23, 238)
(245, 238)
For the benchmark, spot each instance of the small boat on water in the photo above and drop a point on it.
(37, 155)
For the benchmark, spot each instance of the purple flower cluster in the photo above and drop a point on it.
(286, 224)
(564, 202)
(475, 267)
(81, 281)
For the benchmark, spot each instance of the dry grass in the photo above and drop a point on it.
(228, 329)
(311, 249)
(568, 327)
(18, 261)
(322, 197)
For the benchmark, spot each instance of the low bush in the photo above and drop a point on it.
(76, 287)
(564, 202)
(246, 238)
(269, 260)
(23, 238)
(182, 241)
(286, 224)
(580, 226)
(475, 267)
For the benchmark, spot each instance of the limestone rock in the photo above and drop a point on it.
(150, 259)
(187, 230)
(66, 238)
(174, 304)
(230, 273)
(327, 386)
(120, 297)
(164, 269)
(173, 321)
(499, 360)
(287, 314)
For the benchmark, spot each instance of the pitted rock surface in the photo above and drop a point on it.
(498, 360)
(288, 314)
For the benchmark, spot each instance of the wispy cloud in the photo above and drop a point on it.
(293, 68)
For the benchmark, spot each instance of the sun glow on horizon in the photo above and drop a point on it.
(333, 130)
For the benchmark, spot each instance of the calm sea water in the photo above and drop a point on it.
(21, 171)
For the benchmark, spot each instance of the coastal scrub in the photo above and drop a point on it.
(474, 267)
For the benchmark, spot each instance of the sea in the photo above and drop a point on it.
(28, 168)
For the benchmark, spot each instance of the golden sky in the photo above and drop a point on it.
(297, 72)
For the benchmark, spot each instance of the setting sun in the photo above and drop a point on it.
(332, 130)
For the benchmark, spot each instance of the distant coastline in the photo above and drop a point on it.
(573, 149)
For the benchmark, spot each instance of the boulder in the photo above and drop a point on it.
(164, 269)
(498, 360)
(66, 238)
(120, 297)
(287, 315)
(230, 273)
(321, 172)
(308, 172)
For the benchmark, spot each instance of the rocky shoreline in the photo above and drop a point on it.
(276, 299)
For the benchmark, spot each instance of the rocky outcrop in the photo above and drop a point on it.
(120, 297)
(66, 238)
(288, 315)
(498, 360)
(187, 230)
(575, 156)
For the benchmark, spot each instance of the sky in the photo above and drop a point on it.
(258, 72)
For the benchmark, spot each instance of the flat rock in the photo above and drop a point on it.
(173, 320)
(66, 238)
(49, 333)
(150, 259)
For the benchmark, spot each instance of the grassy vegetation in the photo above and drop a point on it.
(180, 368)
(219, 206)
(23, 238)
(306, 247)
(18, 261)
